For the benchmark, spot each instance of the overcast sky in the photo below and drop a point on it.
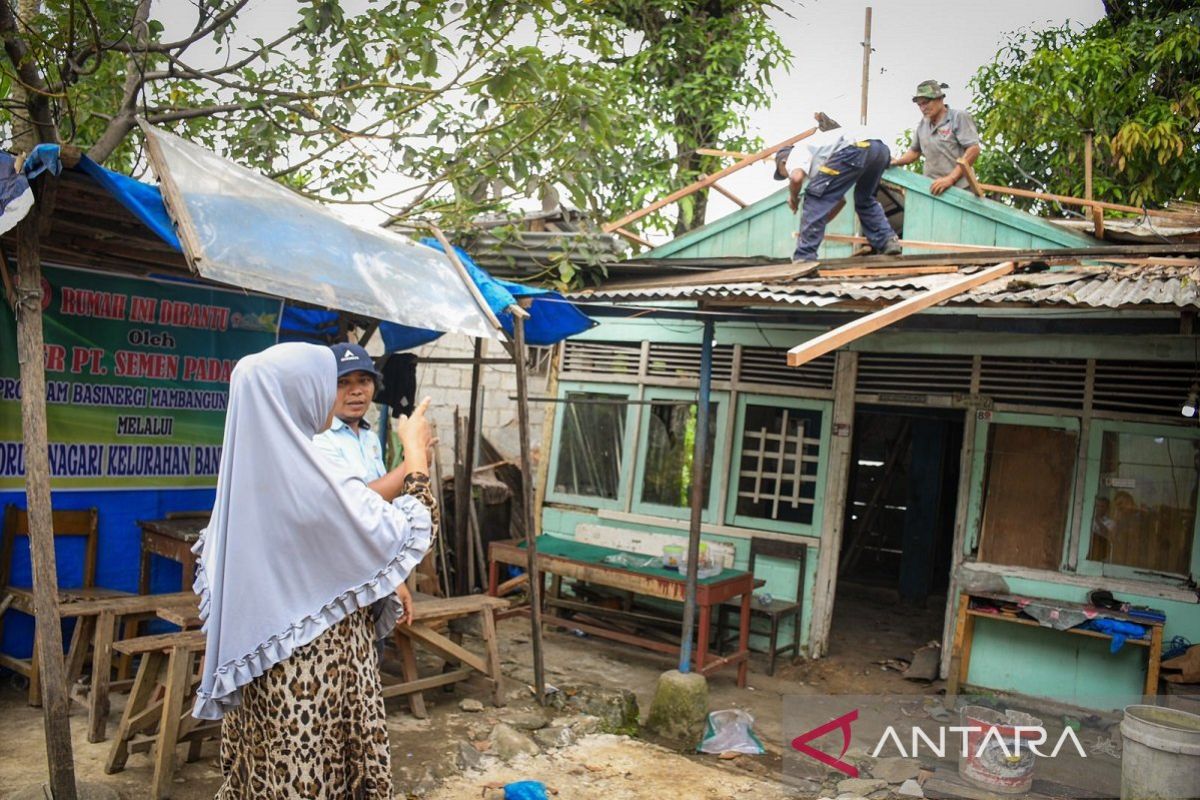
(912, 40)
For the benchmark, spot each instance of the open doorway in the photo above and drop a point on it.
(894, 568)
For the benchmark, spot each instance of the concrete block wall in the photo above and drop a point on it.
(450, 385)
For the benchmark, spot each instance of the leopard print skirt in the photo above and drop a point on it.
(313, 726)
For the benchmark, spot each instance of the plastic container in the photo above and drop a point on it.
(990, 765)
(672, 554)
(705, 568)
(1160, 753)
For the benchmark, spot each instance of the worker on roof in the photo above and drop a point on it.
(945, 137)
(833, 161)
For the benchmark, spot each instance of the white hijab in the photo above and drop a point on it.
(294, 545)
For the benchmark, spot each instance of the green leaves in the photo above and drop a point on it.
(1133, 78)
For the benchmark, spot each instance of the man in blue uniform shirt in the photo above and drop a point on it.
(350, 443)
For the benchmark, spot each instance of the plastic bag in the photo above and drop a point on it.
(631, 560)
(525, 790)
(730, 732)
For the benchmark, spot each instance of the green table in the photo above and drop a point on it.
(566, 558)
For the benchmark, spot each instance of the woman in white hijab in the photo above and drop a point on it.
(297, 574)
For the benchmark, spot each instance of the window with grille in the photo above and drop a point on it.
(778, 463)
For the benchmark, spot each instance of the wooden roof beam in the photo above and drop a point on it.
(839, 337)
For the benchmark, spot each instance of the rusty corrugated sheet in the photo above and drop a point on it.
(1092, 287)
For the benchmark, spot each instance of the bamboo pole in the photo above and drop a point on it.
(30, 355)
(706, 181)
(1097, 213)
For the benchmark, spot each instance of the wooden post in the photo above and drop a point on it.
(462, 548)
(699, 494)
(531, 521)
(31, 355)
(866, 72)
(845, 376)
(462, 508)
(1097, 212)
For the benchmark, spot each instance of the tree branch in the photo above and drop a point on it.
(126, 117)
(36, 100)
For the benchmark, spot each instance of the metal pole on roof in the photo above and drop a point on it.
(866, 72)
(699, 493)
(531, 521)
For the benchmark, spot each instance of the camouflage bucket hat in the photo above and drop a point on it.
(930, 90)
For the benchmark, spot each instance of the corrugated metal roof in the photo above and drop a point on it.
(1093, 287)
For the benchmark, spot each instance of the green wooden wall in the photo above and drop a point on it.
(767, 227)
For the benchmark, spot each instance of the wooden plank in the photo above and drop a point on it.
(1024, 519)
(161, 641)
(143, 689)
(443, 646)
(884, 272)
(737, 200)
(952, 245)
(408, 665)
(839, 337)
(179, 664)
(1067, 200)
(837, 482)
(106, 623)
(425, 684)
(705, 181)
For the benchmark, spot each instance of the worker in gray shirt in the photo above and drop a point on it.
(945, 137)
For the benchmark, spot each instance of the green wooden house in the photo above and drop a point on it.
(1025, 437)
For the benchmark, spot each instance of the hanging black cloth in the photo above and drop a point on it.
(399, 383)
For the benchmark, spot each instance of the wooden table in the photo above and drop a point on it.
(964, 632)
(565, 558)
(173, 539)
(430, 614)
(158, 716)
(98, 620)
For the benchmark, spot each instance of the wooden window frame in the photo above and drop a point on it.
(717, 423)
(825, 408)
(1092, 486)
(623, 392)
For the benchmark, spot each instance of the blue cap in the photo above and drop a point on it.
(354, 358)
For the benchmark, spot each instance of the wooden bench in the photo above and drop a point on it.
(99, 621)
(158, 716)
(430, 616)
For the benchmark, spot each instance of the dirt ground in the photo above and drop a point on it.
(426, 754)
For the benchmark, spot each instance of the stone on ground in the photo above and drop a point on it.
(895, 770)
(680, 707)
(470, 704)
(860, 786)
(524, 720)
(910, 788)
(554, 737)
(616, 709)
(508, 743)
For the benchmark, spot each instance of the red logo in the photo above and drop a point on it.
(800, 743)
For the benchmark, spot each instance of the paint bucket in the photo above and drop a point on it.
(996, 756)
(1160, 754)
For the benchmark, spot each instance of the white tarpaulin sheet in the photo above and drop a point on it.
(244, 229)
